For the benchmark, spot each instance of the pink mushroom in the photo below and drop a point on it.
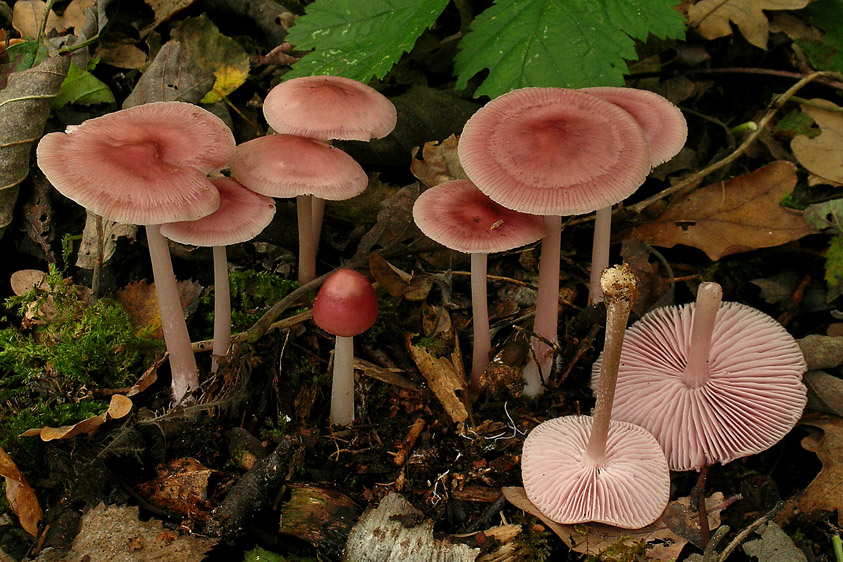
(580, 468)
(345, 306)
(146, 165)
(241, 216)
(459, 216)
(552, 152)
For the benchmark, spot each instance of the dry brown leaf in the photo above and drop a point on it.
(111, 231)
(826, 491)
(738, 215)
(141, 304)
(164, 10)
(823, 154)
(181, 487)
(665, 535)
(393, 280)
(21, 496)
(119, 407)
(121, 55)
(713, 18)
(439, 162)
(28, 15)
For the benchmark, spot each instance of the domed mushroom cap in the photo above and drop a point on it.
(552, 151)
(329, 107)
(287, 166)
(459, 216)
(754, 395)
(663, 124)
(241, 216)
(346, 304)
(142, 165)
(630, 490)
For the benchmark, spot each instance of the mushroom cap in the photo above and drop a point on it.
(346, 304)
(329, 107)
(630, 490)
(287, 166)
(142, 165)
(241, 216)
(663, 123)
(754, 395)
(459, 216)
(553, 151)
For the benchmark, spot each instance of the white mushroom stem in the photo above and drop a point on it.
(480, 312)
(599, 252)
(182, 363)
(709, 297)
(619, 288)
(222, 307)
(547, 308)
(342, 386)
(307, 247)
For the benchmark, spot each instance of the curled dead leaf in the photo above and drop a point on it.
(21, 496)
(822, 155)
(439, 162)
(713, 18)
(119, 407)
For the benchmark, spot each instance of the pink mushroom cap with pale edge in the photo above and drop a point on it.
(241, 216)
(663, 123)
(626, 491)
(329, 107)
(754, 395)
(459, 216)
(288, 166)
(346, 304)
(553, 151)
(144, 165)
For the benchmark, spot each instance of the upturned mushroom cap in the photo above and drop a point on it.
(753, 398)
(459, 216)
(288, 166)
(553, 151)
(626, 491)
(241, 216)
(346, 304)
(329, 107)
(142, 165)
(663, 124)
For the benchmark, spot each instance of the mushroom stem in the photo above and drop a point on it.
(599, 252)
(182, 363)
(317, 211)
(709, 297)
(342, 385)
(222, 307)
(547, 307)
(619, 288)
(480, 311)
(307, 248)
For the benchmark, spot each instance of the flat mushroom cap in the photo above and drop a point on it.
(663, 123)
(630, 490)
(346, 304)
(329, 107)
(754, 395)
(241, 216)
(287, 166)
(553, 151)
(459, 216)
(142, 165)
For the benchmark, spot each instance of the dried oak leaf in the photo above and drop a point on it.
(822, 155)
(28, 16)
(439, 162)
(824, 493)
(21, 496)
(181, 487)
(713, 18)
(665, 537)
(119, 407)
(738, 215)
(164, 10)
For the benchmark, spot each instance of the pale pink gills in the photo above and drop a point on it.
(143, 165)
(288, 166)
(241, 216)
(552, 151)
(329, 107)
(630, 489)
(743, 396)
(346, 304)
(459, 216)
(663, 123)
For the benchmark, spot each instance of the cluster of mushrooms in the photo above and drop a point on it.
(688, 387)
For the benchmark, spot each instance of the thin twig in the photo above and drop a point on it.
(745, 532)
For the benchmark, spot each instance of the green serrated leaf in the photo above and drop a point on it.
(82, 87)
(828, 214)
(571, 44)
(826, 54)
(213, 51)
(359, 40)
(834, 268)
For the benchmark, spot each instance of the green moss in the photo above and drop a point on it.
(791, 201)
(619, 551)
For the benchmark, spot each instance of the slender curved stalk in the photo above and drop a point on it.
(307, 249)
(599, 252)
(709, 297)
(222, 308)
(480, 311)
(342, 385)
